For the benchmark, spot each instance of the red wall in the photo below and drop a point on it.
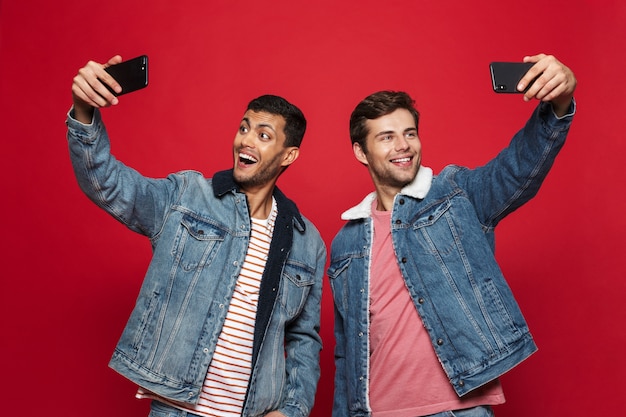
(70, 273)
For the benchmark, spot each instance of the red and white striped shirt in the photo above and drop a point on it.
(226, 383)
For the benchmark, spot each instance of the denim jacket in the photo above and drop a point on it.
(199, 230)
(443, 237)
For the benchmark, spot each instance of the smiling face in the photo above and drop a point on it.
(259, 150)
(393, 151)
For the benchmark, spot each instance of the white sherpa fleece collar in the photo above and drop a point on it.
(418, 188)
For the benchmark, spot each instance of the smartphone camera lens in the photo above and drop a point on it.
(502, 87)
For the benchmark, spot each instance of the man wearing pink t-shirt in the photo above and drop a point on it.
(425, 322)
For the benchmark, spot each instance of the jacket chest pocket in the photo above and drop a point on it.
(297, 282)
(338, 276)
(440, 234)
(196, 243)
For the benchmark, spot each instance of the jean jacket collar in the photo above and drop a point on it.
(418, 188)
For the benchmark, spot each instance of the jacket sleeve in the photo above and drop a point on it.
(515, 175)
(136, 201)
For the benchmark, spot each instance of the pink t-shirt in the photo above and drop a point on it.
(406, 378)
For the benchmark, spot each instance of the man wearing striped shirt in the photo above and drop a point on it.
(227, 320)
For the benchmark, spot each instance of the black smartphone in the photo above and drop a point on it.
(132, 75)
(506, 75)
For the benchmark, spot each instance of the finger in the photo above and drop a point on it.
(113, 61)
(540, 88)
(563, 89)
(107, 78)
(533, 73)
(556, 81)
(83, 91)
(104, 79)
(560, 80)
(550, 89)
(534, 58)
(89, 85)
(97, 88)
(529, 79)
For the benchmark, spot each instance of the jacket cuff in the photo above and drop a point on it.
(86, 133)
(546, 107)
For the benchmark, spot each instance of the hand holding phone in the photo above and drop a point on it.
(505, 76)
(131, 75)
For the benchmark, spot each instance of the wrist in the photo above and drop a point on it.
(83, 113)
(561, 106)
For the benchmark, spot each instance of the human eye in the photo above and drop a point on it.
(410, 134)
(243, 128)
(264, 136)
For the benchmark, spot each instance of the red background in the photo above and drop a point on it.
(70, 273)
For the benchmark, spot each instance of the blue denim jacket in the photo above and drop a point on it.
(443, 237)
(199, 230)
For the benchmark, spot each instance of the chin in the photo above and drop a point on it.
(239, 176)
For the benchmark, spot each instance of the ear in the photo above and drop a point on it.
(291, 154)
(358, 153)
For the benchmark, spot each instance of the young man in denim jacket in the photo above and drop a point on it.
(217, 294)
(425, 323)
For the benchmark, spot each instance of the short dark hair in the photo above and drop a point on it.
(377, 105)
(295, 123)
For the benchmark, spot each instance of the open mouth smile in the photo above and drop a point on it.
(402, 161)
(247, 159)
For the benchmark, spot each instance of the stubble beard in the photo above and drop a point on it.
(262, 176)
(389, 178)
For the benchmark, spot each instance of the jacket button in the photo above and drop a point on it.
(461, 383)
(200, 232)
(420, 300)
(360, 334)
(401, 201)
(439, 342)
(403, 260)
(398, 221)
(431, 217)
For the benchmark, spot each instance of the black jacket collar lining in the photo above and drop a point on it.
(223, 183)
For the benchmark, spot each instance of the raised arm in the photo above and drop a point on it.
(515, 175)
(137, 201)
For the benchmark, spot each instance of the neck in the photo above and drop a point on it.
(385, 197)
(260, 203)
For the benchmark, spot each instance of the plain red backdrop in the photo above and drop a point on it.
(70, 273)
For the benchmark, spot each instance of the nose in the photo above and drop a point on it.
(246, 139)
(401, 143)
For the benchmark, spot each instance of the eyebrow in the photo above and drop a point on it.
(267, 125)
(391, 132)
